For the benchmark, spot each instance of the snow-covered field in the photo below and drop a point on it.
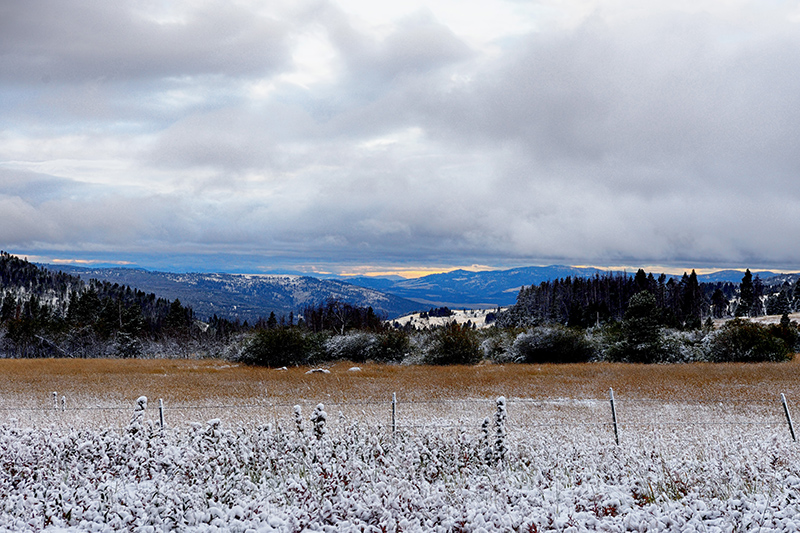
(549, 465)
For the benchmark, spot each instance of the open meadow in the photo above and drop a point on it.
(702, 447)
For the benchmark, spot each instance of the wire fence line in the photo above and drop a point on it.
(613, 415)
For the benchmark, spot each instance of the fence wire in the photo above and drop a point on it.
(467, 415)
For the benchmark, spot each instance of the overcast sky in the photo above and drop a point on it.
(364, 136)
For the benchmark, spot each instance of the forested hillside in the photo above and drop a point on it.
(608, 317)
(684, 303)
(46, 313)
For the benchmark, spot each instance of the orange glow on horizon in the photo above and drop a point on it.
(409, 272)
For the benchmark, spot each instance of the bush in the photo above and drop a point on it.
(683, 346)
(356, 347)
(497, 342)
(277, 347)
(552, 344)
(742, 341)
(393, 346)
(453, 344)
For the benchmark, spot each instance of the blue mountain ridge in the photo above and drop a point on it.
(245, 296)
(487, 289)
(251, 296)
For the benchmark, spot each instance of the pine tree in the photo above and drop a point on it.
(746, 294)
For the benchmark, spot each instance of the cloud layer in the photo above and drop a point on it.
(325, 135)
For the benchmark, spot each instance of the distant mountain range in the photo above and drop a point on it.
(245, 296)
(463, 288)
(249, 297)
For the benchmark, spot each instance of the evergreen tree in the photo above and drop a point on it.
(746, 295)
(719, 304)
(641, 332)
(693, 304)
(796, 296)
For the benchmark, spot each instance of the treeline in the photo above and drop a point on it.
(53, 314)
(636, 319)
(684, 303)
(612, 317)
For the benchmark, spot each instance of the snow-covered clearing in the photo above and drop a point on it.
(702, 448)
(547, 466)
(460, 316)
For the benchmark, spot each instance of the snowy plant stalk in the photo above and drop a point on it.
(488, 453)
(138, 410)
(500, 448)
(319, 417)
(298, 419)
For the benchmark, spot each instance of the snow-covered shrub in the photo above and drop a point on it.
(278, 347)
(393, 346)
(452, 344)
(496, 345)
(683, 346)
(298, 419)
(551, 344)
(356, 346)
(485, 443)
(138, 411)
(743, 341)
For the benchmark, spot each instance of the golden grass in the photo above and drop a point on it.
(554, 395)
(118, 382)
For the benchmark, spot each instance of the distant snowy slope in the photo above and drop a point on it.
(465, 289)
(462, 288)
(245, 296)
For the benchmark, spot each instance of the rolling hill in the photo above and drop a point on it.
(246, 296)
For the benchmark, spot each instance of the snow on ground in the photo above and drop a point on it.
(704, 471)
(764, 320)
(461, 316)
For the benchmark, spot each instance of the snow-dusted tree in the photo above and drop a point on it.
(746, 295)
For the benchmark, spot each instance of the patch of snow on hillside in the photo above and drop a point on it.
(477, 317)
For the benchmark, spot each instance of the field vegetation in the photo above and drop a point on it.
(703, 447)
(181, 382)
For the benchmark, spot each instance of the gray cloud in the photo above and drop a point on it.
(45, 40)
(660, 137)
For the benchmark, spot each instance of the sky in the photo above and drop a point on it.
(359, 137)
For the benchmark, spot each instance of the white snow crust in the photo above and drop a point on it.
(262, 478)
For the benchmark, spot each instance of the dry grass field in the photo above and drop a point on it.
(114, 382)
(103, 392)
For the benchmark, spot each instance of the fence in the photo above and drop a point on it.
(610, 418)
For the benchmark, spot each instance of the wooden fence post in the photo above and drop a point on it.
(614, 415)
(788, 417)
(55, 401)
(161, 413)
